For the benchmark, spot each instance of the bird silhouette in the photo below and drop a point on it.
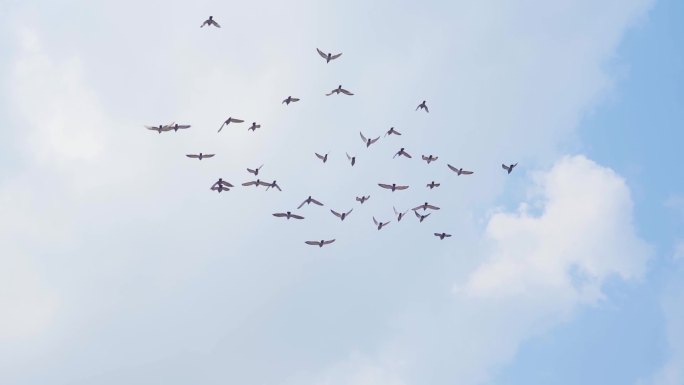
(320, 243)
(309, 200)
(351, 158)
(380, 224)
(422, 106)
(324, 158)
(459, 171)
(442, 235)
(368, 141)
(221, 185)
(341, 215)
(289, 100)
(338, 90)
(402, 152)
(328, 56)
(509, 168)
(210, 21)
(432, 185)
(425, 206)
(255, 171)
(421, 217)
(362, 199)
(399, 214)
(392, 131)
(254, 126)
(229, 121)
(430, 158)
(392, 186)
(200, 156)
(288, 215)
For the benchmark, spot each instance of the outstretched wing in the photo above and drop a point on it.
(401, 187)
(452, 168)
(466, 172)
(215, 23)
(208, 155)
(183, 126)
(192, 156)
(432, 207)
(342, 90)
(375, 221)
(295, 216)
(233, 120)
(336, 213)
(279, 215)
(251, 183)
(303, 203)
(406, 154)
(424, 157)
(349, 212)
(426, 108)
(323, 55)
(447, 235)
(504, 167)
(374, 140)
(294, 99)
(333, 57)
(316, 202)
(385, 186)
(314, 243)
(363, 137)
(348, 157)
(262, 183)
(330, 241)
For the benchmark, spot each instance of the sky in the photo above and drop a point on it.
(119, 265)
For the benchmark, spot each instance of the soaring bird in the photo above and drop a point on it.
(160, 128)
(392, 131)
(256, 183)
(351, 158)
(254, 126)
(432, 185)
(459, 171)
(392, 186)
(368, 141)
(341, 215)
(328, 57)
(199, 156)
(425, 206)
(380, 224)
(402, 152)
(221, 185)
(338, 90)
(255, 171)
(177, 127)
(309, 200)
(324, 158)
(421, 217)
(288, 215)
(430, 158)
(319, 243)
(229, 121)
(362, 199)
(442, 235)
(423, 106)
(509, 168)
(399, 214)
(210, 21)
(289, 100)
(273, 184)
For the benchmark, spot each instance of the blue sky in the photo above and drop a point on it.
(119, 265)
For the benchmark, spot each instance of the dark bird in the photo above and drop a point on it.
(274, 185)
(319, 243)
(177, 127)
(362, 199)
(221, 185)
(199, 156)
(368, 141)
(288, 215)
(425, 206)
(380, 224)
(160, 128)
(421, 217)
(324, 158)
(442, 235)
(309, 200)
(338, 90)
(229, 121)
(430, 158)
(351, 158)
(392, 186)
(255, 171)
(399, 214)
(509, 168)
(423, 106)
(254, 126)
(210, 21)
(289, 100)
(392, 131)
(459, 171)
(432, 185)
(401, 152)
(256, 183)
(341, 215)
(328, 57)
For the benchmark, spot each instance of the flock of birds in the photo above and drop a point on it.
(420, 212)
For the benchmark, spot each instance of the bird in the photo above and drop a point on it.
(401, 152)
(254, 126)
(362, 199)
(328, 57)
(160, 128)
(289, 100)
(430, 158)
(256, 183)
(288, 215)
(210, 21)
(341, 215)
(324, 158)
(200, 156)
(459, 171)
(432, 185)
(392, 131)
(177, 127)
(442, 235)
(423, 106)
(274, 185)
(368, 141)
(380, 224)
(399, 213)
(319, 243)
(338, 90)
(351, 158)
(425, 206)
(221, 185)
(392, 186)
(309, 200)
(255, 171)
(229, 121)
(509, 168)
(421, 217)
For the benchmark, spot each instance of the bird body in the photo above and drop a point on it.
(254, 126)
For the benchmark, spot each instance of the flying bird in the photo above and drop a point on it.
(338, 90)
(255, 171)
(430, 158)
(459, 171)
(328, 57)
(421, 217)
(368, 141)
(177, 127)
(509, 168)
(256, 183)
(319, 243)
(380, 224)
(289, 100)
(274, 185)
(254, 126)
(401, 152)
(341, 215)
(288, 215)
(425, 206)
(432, 185)
(399, 214)
(351, 158)
(221, 185)
(392, 186)
(442, 235)
(210, 21)
(422, 106)
(200, 156)
(392, 131)
(229, 121)
(324, 158)
(362, 199)
(160, 128)
(309, 200)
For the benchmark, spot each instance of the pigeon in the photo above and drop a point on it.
(425, 206)
(442, 235)
(423, 106)
(177, 127)
(229, 121)
(256, 183)
(392, 186)
(200, 156)
(210, 21)
(401, 152)
(341, 215)
(392, 131)
(221, 185)
(319, 243)
(509, 168)
(362, 199)
(289, 100)
(324, 158)
(432, 185)
(380, 224)
(459, 171)
(255, 171)
(338, 90)
(351, 158)
(368, 141)
(254, 126)
(309, 200)
(328, 57)
(288, 215)
(430, 158)
(399, 213)
(421, 217)
(274, 185)
(160, 128)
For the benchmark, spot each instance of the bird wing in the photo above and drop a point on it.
(221, 128)
(183, 126)
(345, 92)
(438, 235)
(208, 155)
(295, 99)
(415, 212)
(424, 157)
(395, 210)
(284, 101)
(249, 183)
(279, 215)
(375, 221)
(397, 132)
(333, 57)
(504, 167)
(336, 213)
(311, 243)
(466, 172)
(262, 183)
(251, 171)
(205, 23)
(328, 242)
(331, 92)
(452, 168)
(374, 140)
(384, 185)
(418, 107)
(192, 156)
(349, 212)
(401, 187)
(432, 207)
(437, 184)
(276, 186)
(358, 199)
(227, 184)
(406, 154)
(295, 216)
(323, 55)
(215, 23)
(316, 202)
(233, 120)
(426, 109)
(386, 223)
(363, 137)
(447, 235)
(418, 207)
(348, 157)
(151, 128)
(303, 203)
